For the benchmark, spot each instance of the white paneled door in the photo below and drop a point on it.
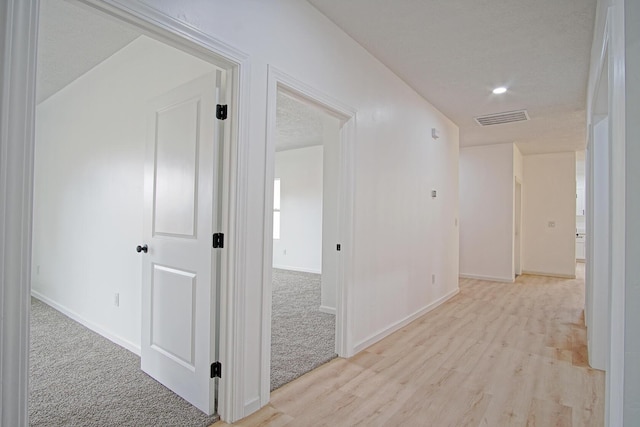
(181, 210)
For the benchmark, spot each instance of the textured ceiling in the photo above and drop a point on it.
(454, 52)
(71, 41)
(298, 125)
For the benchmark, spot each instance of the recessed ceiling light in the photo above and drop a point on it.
(500, 90)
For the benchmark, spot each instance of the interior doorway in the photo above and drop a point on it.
(335, 250)
(517, 250)
(305, 233)
(90, 184)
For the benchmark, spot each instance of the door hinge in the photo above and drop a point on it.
(221, 112)
(216, 370)
(338, 247)
(218, 240)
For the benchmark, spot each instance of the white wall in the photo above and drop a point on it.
(330, 173)
(486, 211)
(549, 216)
(401, 235)
(90, 145)
(300, 245)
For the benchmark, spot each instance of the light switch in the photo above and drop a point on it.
(551, 224)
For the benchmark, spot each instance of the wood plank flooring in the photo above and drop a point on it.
(498, 354)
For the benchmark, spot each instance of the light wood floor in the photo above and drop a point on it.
(498, 354)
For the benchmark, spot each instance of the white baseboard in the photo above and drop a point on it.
(542, 273)
(301, 270)
(327, 309)
(87, 323)
(251, 406)
(489, 278)
(402, 323)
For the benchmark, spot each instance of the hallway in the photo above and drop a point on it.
(497, 354)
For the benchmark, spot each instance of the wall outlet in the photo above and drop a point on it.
(116, 299)
(433, 279)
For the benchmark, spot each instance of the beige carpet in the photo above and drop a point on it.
(302, 338)
(79, 378)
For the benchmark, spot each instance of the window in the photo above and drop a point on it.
(276, 208)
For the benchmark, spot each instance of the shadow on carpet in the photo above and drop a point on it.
(79, 378)
(302, 337)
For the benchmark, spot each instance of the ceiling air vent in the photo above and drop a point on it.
(500, 118)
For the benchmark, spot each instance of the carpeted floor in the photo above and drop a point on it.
(302, 338)
(79, 378)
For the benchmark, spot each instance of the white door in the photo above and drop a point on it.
(181, 209)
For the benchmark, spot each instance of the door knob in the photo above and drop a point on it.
(144, 249)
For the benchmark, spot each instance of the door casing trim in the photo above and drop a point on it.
(279, 80)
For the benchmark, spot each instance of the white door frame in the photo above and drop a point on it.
(598, 207)
(278, 80)
(614, 389)
(611, 51)
(18, 36)
(17, 143)
(517, 214)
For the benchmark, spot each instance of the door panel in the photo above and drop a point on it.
(176, 174)
(173, 291)
(179, 275)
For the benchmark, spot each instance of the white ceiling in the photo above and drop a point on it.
(71, 41)
(298, 125)
(454, 52)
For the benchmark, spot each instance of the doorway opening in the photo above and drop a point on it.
(98, 76)
(580, 207)
(305, 234)
(517, 252)
(335, 250)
